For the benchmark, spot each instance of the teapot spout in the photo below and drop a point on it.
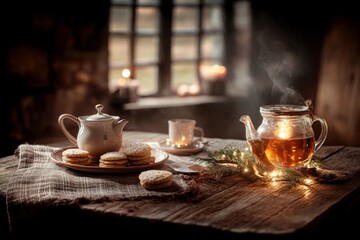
(119, 125)
(251, 133)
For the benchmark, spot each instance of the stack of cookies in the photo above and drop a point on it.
(76, 156)
(113, 160)
(156, 179)
(138, 153)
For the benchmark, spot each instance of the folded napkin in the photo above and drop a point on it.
(38, 183)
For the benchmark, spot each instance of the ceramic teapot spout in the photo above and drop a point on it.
(251, 133)
(119, 126)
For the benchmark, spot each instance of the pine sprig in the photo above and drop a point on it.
(232, 160)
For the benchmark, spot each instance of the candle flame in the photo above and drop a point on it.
(219, 69)
(126, 73)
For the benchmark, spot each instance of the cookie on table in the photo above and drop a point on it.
(113, 160)
(76, 156)
(156, 179)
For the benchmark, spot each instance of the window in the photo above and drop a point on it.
(167, 44)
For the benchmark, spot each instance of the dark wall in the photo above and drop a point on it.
(287, 43)
(53, 60)
(305, 50)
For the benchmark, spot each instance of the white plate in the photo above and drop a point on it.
(160, 158)
(196, 147)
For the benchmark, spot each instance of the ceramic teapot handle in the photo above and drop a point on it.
(69, 136)
(324, 131)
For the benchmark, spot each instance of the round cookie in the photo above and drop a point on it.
(113, 159)
(75, 156)
(76, 160)
(135, 149)
(75, 153)
(155, 179)
(143, 161)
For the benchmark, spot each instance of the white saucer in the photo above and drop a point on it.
(194, 148)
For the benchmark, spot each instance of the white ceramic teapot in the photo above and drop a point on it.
(98, 133)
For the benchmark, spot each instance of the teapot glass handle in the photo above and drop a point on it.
(69, 136)
(323, 134)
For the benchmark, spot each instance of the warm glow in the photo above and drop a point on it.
(275, 175)
(285, 130)
(182, 90)
(308, 181)
(188, 90)
(182, 142)
(194, 89)
(219, 71)
(122, 82)
(213, 72)
(126, 73)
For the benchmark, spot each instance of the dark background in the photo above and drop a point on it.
(54, 61)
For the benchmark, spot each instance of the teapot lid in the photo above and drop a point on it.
(99, 116)
(284, 109)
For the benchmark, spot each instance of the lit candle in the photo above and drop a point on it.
(126, 73)
(182, 90)
(218, 72)
(127, 88)
(194, 89)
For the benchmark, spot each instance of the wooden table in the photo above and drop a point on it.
(238, 208)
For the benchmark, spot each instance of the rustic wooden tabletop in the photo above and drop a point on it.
(231, 206)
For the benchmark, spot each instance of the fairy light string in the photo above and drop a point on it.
(232, 160)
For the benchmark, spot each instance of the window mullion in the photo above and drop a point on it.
(199, 40)
(229, 38)
(132, 39)
(166, 12)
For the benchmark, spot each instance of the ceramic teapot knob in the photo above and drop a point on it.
(99, 108)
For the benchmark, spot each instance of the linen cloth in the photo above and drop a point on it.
(39, 183)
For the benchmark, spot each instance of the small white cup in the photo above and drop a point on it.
(181, 132)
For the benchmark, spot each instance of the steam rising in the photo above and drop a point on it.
(281, 65)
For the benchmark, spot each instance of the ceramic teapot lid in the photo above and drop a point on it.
(100, 116)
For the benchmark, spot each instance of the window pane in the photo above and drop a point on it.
(147, 1)
(186, 1)
(120, 19)
(185, 18)
(212, 18)
(183, 73)
(183, 48)
(121, 1)
(213, 1)
(212, 46)
(146, 49)
(119, 50)
(147, 77)
(147, 18)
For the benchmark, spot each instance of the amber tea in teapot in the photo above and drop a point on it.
(283, 152)
(285, 137)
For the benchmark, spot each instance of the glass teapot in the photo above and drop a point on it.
(285, 137)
